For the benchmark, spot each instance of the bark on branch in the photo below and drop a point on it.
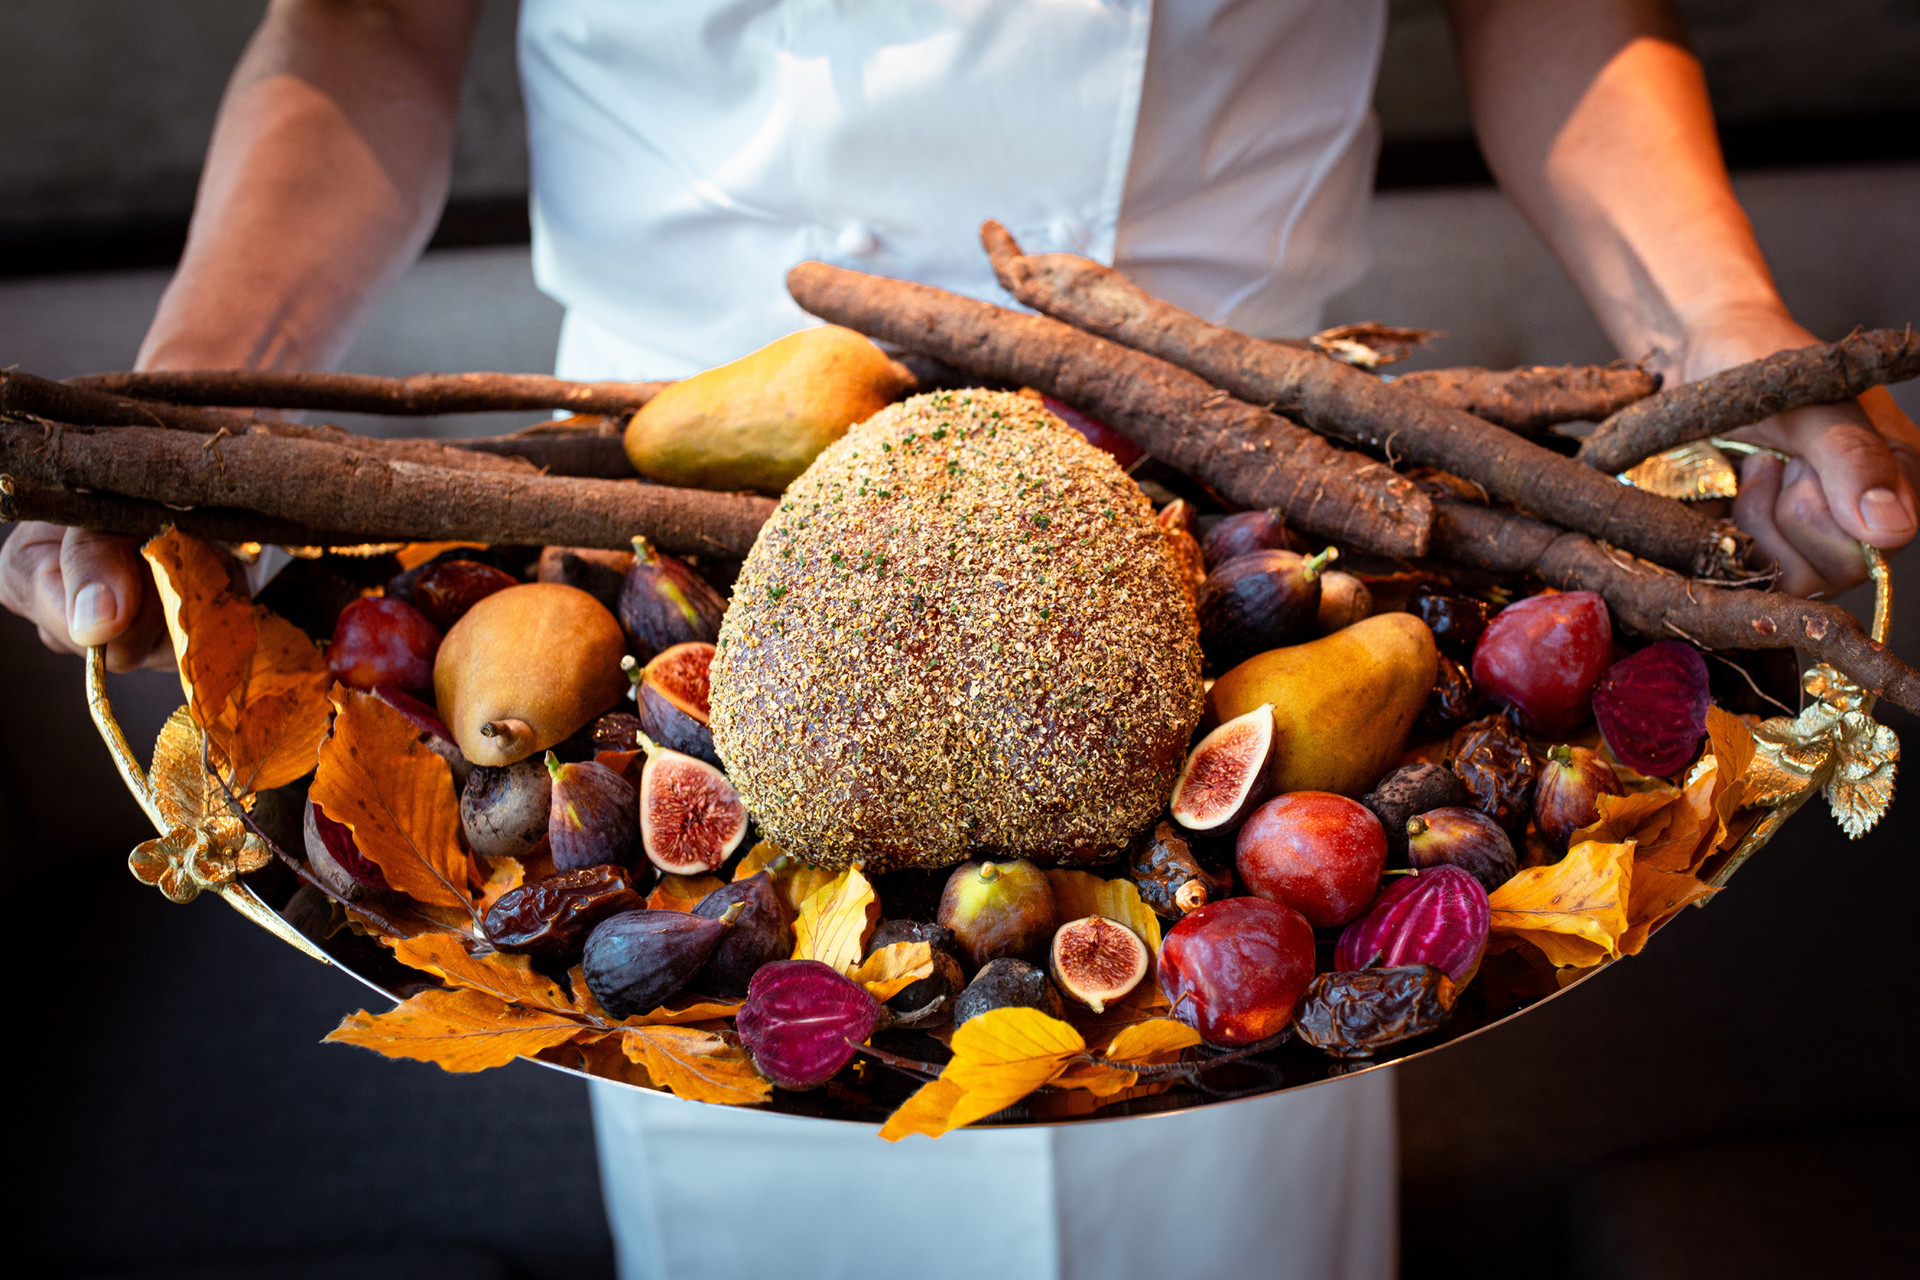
(1254, 457)
(363, 393)
(1341, 401)
(1752, 392)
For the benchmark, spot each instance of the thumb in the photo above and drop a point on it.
(101, 575)
(1860, 476)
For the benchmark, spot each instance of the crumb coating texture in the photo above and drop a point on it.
(962, 634)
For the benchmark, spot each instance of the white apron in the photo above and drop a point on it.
(686, 153)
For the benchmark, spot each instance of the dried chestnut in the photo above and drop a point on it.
(550, 918)
(1492, 759)
(1353, 1014)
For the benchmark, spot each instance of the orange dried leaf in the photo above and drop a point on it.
(501, 876)
(894, 968)
(415, 554)
(510, 978)
(1653, 896)
(929, 1111)
(681, 893)
(1077, 894)
(458, 1031)
(1574, 910)
(998, 1058)
(397, 796)
(668, 1015)
(696, 1064)
(833, 923)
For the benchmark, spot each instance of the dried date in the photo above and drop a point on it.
(1456, 621)
(1172, 881)
(1452, 702)
(550, 918)
(1356, 1013)
(1492, 759)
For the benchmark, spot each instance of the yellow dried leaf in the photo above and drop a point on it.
(833, 923)
(1155, 1041)
(458, 1031)
(415, 554)
(794, 880)
(1574, 910)
(397, 797)
(696, 1064)
(507, 977)
(894, 968)
(1077, 894)
(929, 1111)
(998, 1058)
(681, 893)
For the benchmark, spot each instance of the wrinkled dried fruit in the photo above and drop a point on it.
(1008, 983)
(336, 859)
(1228, 775)
(1652, 707)
(1096, 961)
(1567, 796)
(636, 960)
(1439, 917)
(504, 811)
(691, 818)
(802, 1020)
(1453, 702)
(1344, 600)
(1234, 970)
(672, 693)
(998, 909)
(664, 602)
(1355, 1014)
(1170, 878)
(1259, 602)
(1493, 762)
(1463, 838)
(446, 589)
(1543, 655)
(931, 999)
(593, 816)
(550, 918)
(1244, 533)
(762, 934)
(1411, 789)
(1456, 621)
(615, 731)
(433, 730)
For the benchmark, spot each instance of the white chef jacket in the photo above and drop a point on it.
(686, 153)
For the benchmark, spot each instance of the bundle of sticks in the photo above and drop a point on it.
(1263, 424)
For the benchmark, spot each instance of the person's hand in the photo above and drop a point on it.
(83, 589)
(1853, 473)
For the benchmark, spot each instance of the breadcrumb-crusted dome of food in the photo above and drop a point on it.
(961, 634)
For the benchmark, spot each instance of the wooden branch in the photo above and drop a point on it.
(1253, 457)
(373, 498)
(1657, 602)
(1752, 392)
(1531, 399)
(363, 393)
(108, 513)
(1341, 401)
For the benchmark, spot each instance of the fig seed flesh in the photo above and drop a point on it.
(691, 818)
(1227, 776)
(1096, 961)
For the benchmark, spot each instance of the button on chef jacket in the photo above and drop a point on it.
(686, 154)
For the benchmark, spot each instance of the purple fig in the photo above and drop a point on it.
(672, 694)
(1254, 603)
(1438, 917)
(802, 1020)
(664, 602)
(1243, 534)
(1464, 838)
(1227, 776)
(762, 934)
(1567, 797)
(599, 573)
(1410, 789)
(1008, 983)
(1652, 707)
(636, 960)
(593, 818)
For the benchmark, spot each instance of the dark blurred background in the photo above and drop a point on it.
(1738, 1100)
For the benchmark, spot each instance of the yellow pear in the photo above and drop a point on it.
(758, 422)
(524, 668)
(1342, 705)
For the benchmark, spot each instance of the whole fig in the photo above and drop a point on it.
(636, 960)
(593, 817)
(1464, 838)
(999, 909)
(1438, 917)
(1008, 983)
(1567, 797)
(1410, 789)
(1244, 533)
(762, 934)
(663, 602)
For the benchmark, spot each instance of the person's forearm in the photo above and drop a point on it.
(327, 171)
(1593, 115)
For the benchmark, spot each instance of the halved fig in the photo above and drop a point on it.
(671, 693)
(691, 818)
(1227, 776)
(1094, 960)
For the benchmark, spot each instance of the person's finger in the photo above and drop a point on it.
(1753, 510)
(30, 581)
(1866, 494)
(144, 645)
(1802, 513)
(101, 575)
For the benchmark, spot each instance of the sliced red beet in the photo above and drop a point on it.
(802, 1020)
(1652, 707)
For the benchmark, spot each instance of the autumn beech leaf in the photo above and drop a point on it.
(499, 877)
(700, 1065)
(696, 1010)
(794, 880)
(253, 681)
(833, 923)
(1653, 896)
(894, 968)
(1150, 1043)
(458, 1031)
(1078, 894)
(508, 977)
(415, 554)
(999, 1057)
(681, 893)
(1575, 910)
(397, 797)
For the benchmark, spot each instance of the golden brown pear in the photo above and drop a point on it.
(1342, 705)
(758, 422)
(525, 668)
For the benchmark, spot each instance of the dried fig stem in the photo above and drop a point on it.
(426, 393)
(1747, 393)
